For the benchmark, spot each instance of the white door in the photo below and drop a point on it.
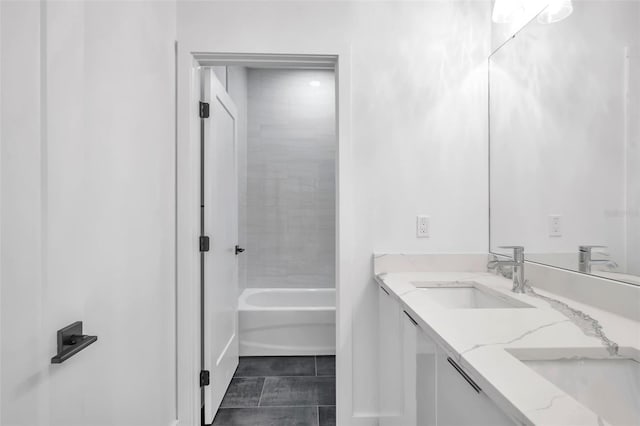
(220, 328)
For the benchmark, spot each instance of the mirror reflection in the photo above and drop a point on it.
(564, 141)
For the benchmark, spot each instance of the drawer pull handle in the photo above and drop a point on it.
(410, 319)
(464, 375)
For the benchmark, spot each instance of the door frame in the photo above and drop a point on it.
(187, 292)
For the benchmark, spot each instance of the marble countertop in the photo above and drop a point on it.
(480, 341)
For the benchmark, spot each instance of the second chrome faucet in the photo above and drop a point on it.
(517, 265)
(586, 261)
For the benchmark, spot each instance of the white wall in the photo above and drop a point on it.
(237, 86)
(557, 129)
(291, 189)
(88, 205)
(418, 133)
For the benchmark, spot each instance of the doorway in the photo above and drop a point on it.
(220, 327)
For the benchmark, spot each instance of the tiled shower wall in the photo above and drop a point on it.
(236, 82)
(291, 152)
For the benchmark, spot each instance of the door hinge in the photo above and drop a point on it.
(204, 110)
(204, 378)
(204, 243)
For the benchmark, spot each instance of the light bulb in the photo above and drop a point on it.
(556, 11)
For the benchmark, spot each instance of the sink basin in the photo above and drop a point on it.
(610, 387)
(468, 295)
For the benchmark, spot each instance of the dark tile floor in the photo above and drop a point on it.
(281, 391)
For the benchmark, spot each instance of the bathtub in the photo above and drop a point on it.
(287, 321)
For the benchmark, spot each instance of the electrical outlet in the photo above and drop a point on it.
(422, 226)
(555, 226)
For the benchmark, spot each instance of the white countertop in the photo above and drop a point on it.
(479, 339)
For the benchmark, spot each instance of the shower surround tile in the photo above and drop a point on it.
(291, 150)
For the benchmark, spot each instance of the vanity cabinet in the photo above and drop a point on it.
(418, 384)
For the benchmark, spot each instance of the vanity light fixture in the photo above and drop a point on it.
(520, 11)
(556, 11)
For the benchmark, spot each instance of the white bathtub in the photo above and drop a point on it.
(287, 321)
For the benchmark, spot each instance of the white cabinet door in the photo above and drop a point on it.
(409, 333)
(425, 383)
(390, 358)
(397, 356)
(459, 403)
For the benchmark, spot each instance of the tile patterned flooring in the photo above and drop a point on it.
(281, 391)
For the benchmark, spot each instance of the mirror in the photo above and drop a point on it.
(564, 123)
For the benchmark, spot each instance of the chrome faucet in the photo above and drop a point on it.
(517, 264)
(585, 260)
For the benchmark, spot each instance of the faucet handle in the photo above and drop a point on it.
(588, 248)
(586, 251)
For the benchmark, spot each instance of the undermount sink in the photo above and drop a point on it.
(610, 387)
(467, 295)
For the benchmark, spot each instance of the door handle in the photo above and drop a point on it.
(239, 250)
(71, 341)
